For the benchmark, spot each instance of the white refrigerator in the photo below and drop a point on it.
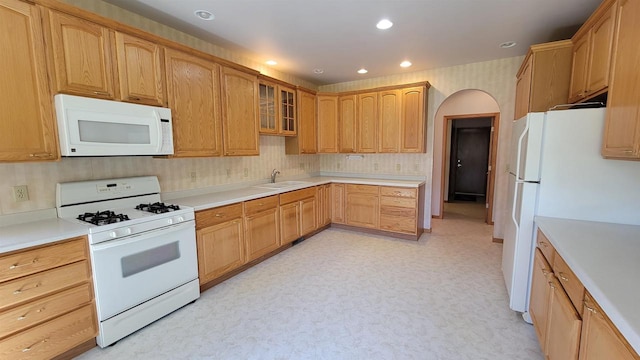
(556, 170)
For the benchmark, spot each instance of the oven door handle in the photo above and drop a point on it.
(137, 237)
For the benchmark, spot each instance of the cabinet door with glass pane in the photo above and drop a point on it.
(268, 108)
(288, 111)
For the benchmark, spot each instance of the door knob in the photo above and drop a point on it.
(459, 164)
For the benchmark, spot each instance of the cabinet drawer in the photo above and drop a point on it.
(569, 281)
(398, 202)
(363, 189)
(398, 191)
(32, 286)
(297, 195)
(258, 205)
(29, 262)
(46, 308)
(403, 224)
(215, 216)
(53, 337)
(545, 246)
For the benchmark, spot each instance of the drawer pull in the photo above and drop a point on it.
(21, 290)
(15, 266)
(544, 244)
(39, 342)
(562, 277)
(25, 315)
(218, 215)
(589, 308)
(545, 272)
(551, 285)
(40, 155)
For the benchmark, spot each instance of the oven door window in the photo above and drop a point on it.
(134, 269)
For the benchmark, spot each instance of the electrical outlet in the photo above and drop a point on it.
(193, 176)
(246, 172)
(398, 167)
(375, 166)
(20, 193)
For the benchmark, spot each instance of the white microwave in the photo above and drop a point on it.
(95, 127)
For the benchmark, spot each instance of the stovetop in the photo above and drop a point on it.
(102, 217)
(157, 207)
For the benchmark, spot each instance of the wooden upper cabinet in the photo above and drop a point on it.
(367, 132)
(268, 108)
(543, 79)
(140, 70)
(347, 119)
(27, 125)
(306, 141)
(389, 114)
(327, 123)
(239, 113)
(592, 47)
(287, 111)
(82, 54)
(412, 120)
(193, 95)
(622, 124)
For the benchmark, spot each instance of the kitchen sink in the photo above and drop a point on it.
(281, 184)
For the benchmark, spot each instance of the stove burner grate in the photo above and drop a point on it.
(157, 208)
(102, 217)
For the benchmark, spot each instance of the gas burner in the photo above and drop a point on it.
(157, 208)
(102, 217)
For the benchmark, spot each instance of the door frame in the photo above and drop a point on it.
(493, 146)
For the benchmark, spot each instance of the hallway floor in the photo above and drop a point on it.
(347, 295)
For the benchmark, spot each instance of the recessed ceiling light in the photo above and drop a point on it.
(363, 71)
(384, 24)
(271, 62)
(204, 14)
(405, 63)
(318, 71)
(508, 44)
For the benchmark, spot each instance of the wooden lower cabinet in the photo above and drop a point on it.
(297, 214)
(539, 302)
(337, 203)
(399, 210)
(600, 338)
(261, 227)
(323, 198)
(308, 216)
(563, 328)
(55, 315)
(220, 241)
(289, 222)
(362, 206)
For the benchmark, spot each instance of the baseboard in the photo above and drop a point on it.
(498, 240)
(76, 351)
(377, 232)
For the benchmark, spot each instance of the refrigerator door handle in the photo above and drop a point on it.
(519, 152)
(513, 207)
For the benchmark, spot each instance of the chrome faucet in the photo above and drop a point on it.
(273, 175)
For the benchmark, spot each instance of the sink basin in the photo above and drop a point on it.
(281, 184)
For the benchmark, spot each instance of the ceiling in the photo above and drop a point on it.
(340, 36)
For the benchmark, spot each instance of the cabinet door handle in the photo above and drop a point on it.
(545, 272)
(17, 265)
(100, 93)
(562, 277)
(40, 155)
(21, 290)
(589, 308)
(544, 244)
(218, 215)
(552, 285)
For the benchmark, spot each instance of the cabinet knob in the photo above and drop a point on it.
(589, 308)
(552, 285)
(562, 277)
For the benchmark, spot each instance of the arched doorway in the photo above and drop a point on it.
(465, 105)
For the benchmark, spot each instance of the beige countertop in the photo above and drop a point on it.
(22, 236)
(606, 259)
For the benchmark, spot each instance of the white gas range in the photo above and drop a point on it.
(143, 252)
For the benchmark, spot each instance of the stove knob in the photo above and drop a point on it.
(180, 218)
(128, 231)
(170, 221)
(113, 234)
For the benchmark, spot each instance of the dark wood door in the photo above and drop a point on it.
(469, 162)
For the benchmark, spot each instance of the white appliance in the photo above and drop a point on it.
(556, 170)
(143, 252)
(95, 127)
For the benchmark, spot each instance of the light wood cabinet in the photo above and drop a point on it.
(261, 226)
(323, 198)
(297, 214)
(82, 56)
(412, 120)
(592, 54)
(347, 120)
(63, 294)
(539, 302)
(563, 328)
(27, 129)
(599, 338)
(389, 114)
(622, 124)
(399, 210)
(277, 108)
(367, 115)
(306, 141)
(362, 206)
(337, 203)
(220, 241)
(239, 113)
(543, 79)
(140, 70)
(327, 123)
(193, 92)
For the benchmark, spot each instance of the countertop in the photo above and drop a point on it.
(606, 259)
(25, 235)
(215, 199)
(22, 236)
